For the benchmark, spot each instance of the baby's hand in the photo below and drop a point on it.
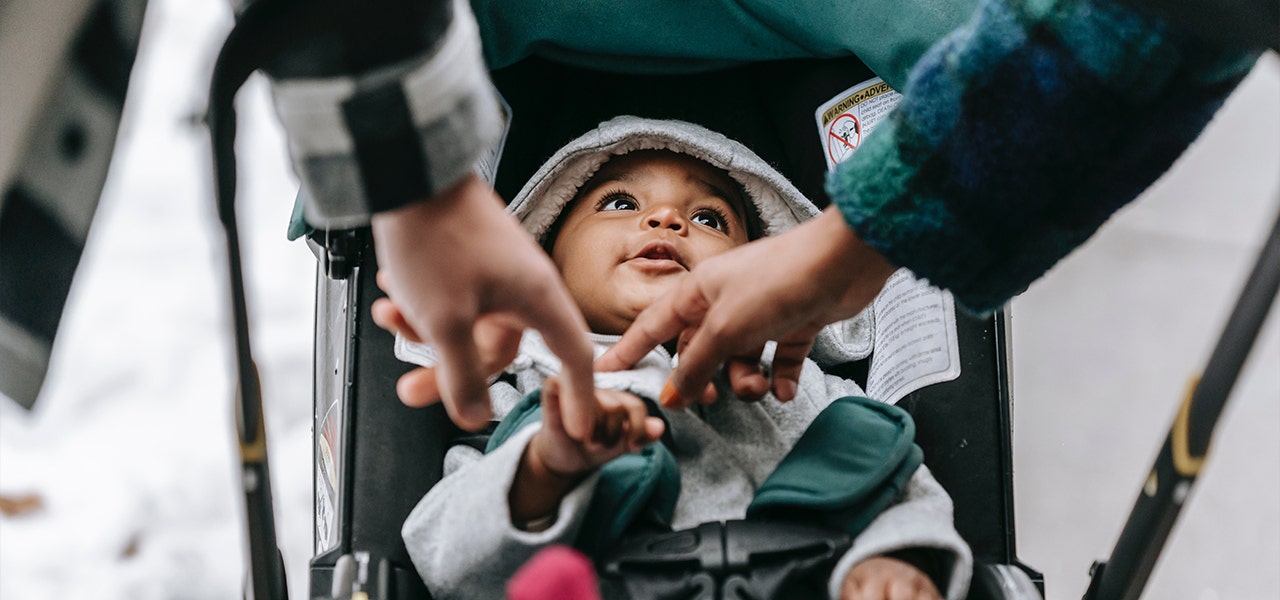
(622, 425)
(884, 578)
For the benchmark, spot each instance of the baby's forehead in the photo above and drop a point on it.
(640, 164)
(639, 161)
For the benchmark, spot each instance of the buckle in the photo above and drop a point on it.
(734, 559)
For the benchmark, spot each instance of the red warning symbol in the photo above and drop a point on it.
(843, 136)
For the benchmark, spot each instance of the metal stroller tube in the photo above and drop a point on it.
(257, 36)
(1187, 444)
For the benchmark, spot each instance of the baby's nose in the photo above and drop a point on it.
(665, 216)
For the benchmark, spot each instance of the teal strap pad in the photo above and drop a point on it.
(851, 463)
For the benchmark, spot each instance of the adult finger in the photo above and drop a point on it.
(708, 349)
(460, 374)
(745, 377)
(788, 362)
(551, 417)
(419, 387)
(709, 394)
(554, 315)
(388, 316)
(678, 310)
(497, 342)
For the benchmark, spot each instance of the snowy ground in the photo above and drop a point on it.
(132, 442)
(131, 445)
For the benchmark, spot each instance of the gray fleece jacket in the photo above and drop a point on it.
(461, 537)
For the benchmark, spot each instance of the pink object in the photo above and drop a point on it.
(555, 573)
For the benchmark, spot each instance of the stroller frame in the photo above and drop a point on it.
(387, 456)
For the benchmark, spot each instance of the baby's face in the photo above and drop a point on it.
(638, 226)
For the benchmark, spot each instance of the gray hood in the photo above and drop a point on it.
(779, 204)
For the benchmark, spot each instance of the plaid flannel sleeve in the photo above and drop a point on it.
(1021, 132)
(392, 134)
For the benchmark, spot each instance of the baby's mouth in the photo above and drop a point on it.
(660, 252)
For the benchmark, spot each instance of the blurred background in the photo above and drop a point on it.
(130, 451)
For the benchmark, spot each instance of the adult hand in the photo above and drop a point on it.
(463, 276)
(783, 288)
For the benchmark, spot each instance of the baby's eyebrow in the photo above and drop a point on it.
(602, 179)
(732, 199)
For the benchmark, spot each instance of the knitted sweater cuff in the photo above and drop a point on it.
(379, 140)
(1020, 133)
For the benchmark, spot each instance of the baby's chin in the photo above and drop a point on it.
(628, 306)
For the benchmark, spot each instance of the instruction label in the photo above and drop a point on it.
(915, 343)
(847, 119)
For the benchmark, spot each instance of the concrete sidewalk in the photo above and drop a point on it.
(1104, 348)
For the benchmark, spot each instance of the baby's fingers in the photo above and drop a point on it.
(746, 378)
(624, 424)
(611, 424)
(653, 428)
(642, 429)
(788, 360)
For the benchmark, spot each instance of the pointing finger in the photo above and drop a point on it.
(554, 314)
(678, 310)
(460, 374)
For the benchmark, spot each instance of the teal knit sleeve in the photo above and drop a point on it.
(1021, 132)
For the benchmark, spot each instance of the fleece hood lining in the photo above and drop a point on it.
(778, 203)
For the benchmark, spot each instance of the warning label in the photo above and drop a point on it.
(845, 120)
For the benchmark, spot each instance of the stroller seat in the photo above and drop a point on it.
(376, 458)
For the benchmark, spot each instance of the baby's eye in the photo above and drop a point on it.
(618, 202)
(711, 218)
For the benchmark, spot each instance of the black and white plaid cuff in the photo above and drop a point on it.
(384, 138)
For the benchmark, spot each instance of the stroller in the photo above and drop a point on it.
(375, 458)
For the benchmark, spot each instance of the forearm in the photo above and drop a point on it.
(1021, 133)
(460, 535)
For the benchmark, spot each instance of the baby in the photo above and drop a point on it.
(625, 211)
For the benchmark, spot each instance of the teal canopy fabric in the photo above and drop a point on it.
(682, 36)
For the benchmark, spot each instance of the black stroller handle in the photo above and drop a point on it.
(294, 38)
(1176, 467)
(257, 35)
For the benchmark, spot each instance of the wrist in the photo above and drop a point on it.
(860, 269)
(536, 460)
(428, 210)
(538, 488)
